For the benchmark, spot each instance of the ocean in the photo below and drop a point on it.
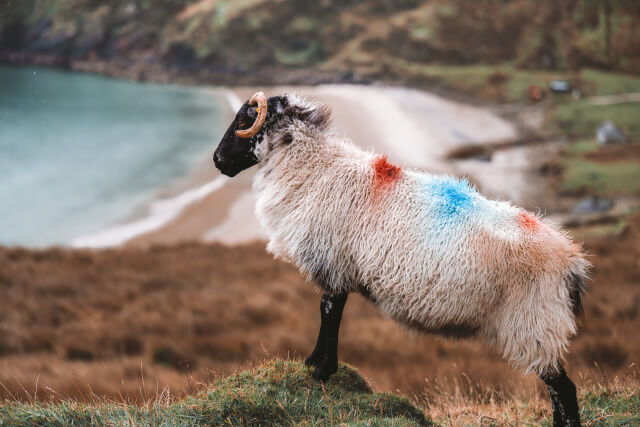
(81, 153)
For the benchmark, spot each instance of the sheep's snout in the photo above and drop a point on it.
(225, 167)
(234, 155)
(217, 160)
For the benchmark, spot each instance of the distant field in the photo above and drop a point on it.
(508, 83)
(609, 171)
(587, 169)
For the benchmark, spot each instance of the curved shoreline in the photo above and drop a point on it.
(160, 210)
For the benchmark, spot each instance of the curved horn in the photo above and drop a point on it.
(261, 100)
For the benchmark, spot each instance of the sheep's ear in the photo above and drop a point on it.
(311, 112)
(318, 115)
(277, 105)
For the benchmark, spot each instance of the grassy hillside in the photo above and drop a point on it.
(283, 393)
(278, 393)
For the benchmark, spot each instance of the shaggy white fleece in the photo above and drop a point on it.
(428, 250)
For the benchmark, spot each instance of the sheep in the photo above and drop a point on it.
(428, 250)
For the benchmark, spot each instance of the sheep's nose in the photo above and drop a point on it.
(216, 158)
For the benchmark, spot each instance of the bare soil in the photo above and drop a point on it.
(614, 153)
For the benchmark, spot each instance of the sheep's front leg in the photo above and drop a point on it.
(317, 354)
(325, 355)
(562, 392)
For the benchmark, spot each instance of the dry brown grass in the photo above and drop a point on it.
(128, 323)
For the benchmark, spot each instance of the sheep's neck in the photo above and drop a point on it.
(318, 153)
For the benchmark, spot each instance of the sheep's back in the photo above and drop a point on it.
(429, 250)
(432, 252)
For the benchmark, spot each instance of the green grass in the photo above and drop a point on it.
(475, 79)
(470, 76)
(603, 407)
(278, 393)
(283, 393)
(581, 147)
(606, 83)
(302, 24)
(580, 118)
(599, 406)
(607, 179)
(312, 53)
(520, 80)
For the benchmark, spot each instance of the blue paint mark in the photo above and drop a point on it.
(449, 198)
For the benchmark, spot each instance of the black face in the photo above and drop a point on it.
(235, 154)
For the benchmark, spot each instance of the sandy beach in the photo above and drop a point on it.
(414, 128)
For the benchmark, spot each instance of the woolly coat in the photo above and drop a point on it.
(427, 250)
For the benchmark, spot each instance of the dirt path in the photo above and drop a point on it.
(614, 99)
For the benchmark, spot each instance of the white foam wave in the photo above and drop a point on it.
(161, 212)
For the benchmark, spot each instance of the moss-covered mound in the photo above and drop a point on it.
(277, 393)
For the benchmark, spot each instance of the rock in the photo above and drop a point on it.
(484, 157)
(536, 93)
(609, 133)
(560, 86)
(592, 204)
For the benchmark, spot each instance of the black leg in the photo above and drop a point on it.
(318, 352)
(562, 392)
(325, 355)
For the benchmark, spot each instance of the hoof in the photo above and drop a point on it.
(314, 360)
(566, 423)
(324, 371)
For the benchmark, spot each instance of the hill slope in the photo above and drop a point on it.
(278, 393)
(273, 41)
(283, 393)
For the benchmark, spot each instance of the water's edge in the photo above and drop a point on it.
(159, 212)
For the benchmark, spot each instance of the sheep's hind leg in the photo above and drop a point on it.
(564, 401)
(325, 355)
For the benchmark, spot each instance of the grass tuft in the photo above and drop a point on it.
(603, 406)
(277, 393)
(283, 393)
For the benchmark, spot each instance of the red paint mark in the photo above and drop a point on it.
(528, 221)
(386, 173)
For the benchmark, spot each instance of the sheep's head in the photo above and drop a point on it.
(261, 121)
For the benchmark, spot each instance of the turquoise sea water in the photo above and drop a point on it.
(80, 152)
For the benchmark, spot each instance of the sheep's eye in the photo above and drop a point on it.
(242, 124)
